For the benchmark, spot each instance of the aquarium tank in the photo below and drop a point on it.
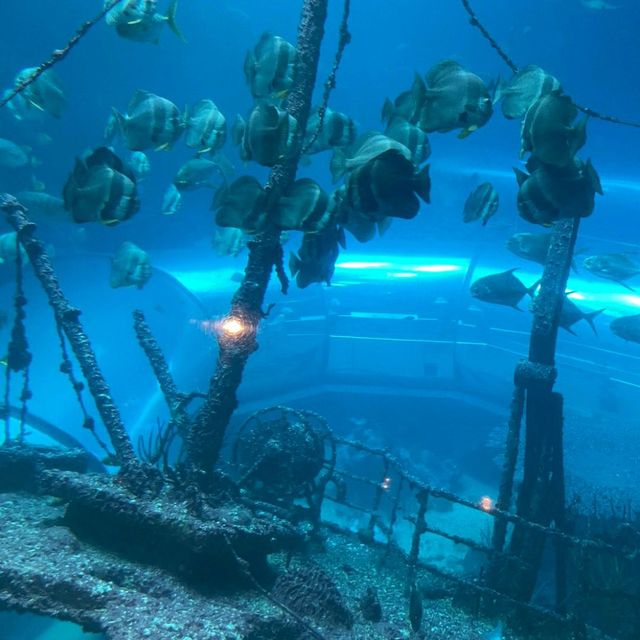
(320, 320)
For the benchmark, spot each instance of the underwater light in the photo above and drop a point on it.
(362, 265)
(437, 268)
(401, 274)
(232, 327)
(486, 503)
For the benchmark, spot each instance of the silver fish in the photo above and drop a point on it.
(130, 267)
(140, 165)
(316, 258)
(524, 88)
(8, 248)
(270, 66)
(101, 188)
(338, 130)
(365, 148)
(12, 156)
(43, 206)
(45, 93)
(627, 327)
(501, 288)
(613, 266)
(303, 207)
(549, 193)
(172, 201)
(386, 186)
(206, 127)
(455, 99)
(481, 204)
(267, 136)
(138, 20)
(548, 131)
(195, 174)
(242, 205)
(228, 241)
(412, 137)
(151, 122)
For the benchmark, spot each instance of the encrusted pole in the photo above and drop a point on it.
(237, 332)
(542, 494)
(135, 475)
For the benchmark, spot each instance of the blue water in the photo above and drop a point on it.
(416, 268)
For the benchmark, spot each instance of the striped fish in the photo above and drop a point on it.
(303, 207)
(101, 188)
(151, 122)
(269, 67)
(206, 127)
(242, 205)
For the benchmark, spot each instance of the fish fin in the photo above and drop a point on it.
(387, 111)
(626, 286)
(342, 240)
(219, 197)
(238, 130)
(521, 176)
(594, 178)
(422, 184)
(383, 225)
(516, 307)
(589, 318)
(163, 147)
(441, 70)
(171, 20)
(33, 103)
(580, 134)
(569, 329)
(294, 264)
(224, 166)
(282, 94)
(201, 152)
(465, 133)
(134, 22)
(338, 164)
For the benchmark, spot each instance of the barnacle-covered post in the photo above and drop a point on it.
(237, 332)
(541, 495)
(133, 472)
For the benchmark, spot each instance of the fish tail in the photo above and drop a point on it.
(532, 289)
(294, 264)
(120, 121)
(238, 129)
(171, 20)
(422, 184)
(338, 164)
(589, 318)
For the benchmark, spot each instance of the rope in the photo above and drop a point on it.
(67, 368)
(330, 83)
(18, 356)
(473, 19)
(58, 54)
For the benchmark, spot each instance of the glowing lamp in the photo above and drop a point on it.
(486, 503)
(232, 327)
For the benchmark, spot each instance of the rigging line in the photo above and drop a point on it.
(58, 54)
(473, 19)
(330, 84)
